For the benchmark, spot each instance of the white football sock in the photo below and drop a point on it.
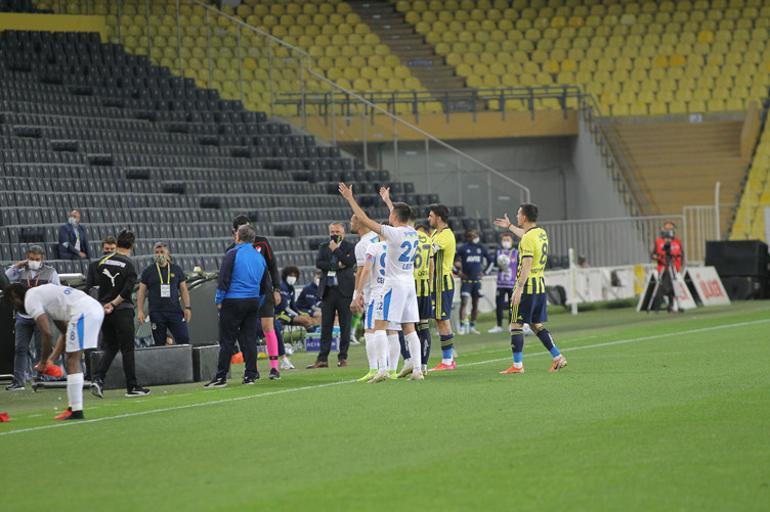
(413, 344)
(394, 351)
(371, 350)
(75, 391)
(381, 348)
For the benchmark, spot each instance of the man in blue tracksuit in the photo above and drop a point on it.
(238, 300)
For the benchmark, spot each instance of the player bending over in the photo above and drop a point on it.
(76, 315)
(398, 303)
(528, 305)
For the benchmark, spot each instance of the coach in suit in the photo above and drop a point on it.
(337, 262)
(73, 241)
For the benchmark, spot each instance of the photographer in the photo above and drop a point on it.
(668, 254)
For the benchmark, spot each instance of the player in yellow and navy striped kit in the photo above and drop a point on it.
(444, 249)
(422, 280)
(528, 305)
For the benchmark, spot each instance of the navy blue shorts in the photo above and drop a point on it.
(531, 310)
(425, 306)
(442, 306)
(471, 289)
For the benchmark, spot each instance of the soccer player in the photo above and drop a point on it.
(77, 316)
(367, 238)
(423, 263)
(469, 260)
(398, 303)
(444, 248)
(528, 305)
(506, 260)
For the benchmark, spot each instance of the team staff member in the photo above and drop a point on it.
(78, 318)
(469, 260)
(73, 240)
(529, 302)
(31, 272)
(270, 291)
(164, 282)
(507, 263)
(668, 254)
(337, 261)
(238, 300)
(308, 301)
(115, 275)
(444, 249)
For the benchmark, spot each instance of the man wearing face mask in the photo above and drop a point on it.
(31, 273)
(73, 241)
(337, 261)
(164, 283)
(506, 260)
(471, 260)
(308, 301)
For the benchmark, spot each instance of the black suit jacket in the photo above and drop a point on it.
(345, 258)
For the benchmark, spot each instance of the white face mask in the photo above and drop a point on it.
(34, 265)
(476, 240)
(317, 281)
(72, 220)
(291, 280)
(507, 244)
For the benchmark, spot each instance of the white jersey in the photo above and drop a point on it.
(402, 249)
(376, 253)
(61, 303)
(361, 247)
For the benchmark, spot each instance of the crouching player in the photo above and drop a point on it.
(528, 305)
(76, 315)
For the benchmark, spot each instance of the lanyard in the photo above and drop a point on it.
(103, 260)
(37, 280)
(160, 276)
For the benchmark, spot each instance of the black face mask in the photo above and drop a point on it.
(335, 238)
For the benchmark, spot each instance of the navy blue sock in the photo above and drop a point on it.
(547, 340)
(517, 345)
(402, 342)
(423, 330)
(447, 344)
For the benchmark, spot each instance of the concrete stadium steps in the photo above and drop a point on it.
(677, 164)
(393, 30)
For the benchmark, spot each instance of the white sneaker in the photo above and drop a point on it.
(354, 340)
(417, 376)
(406, 370)
(473, 330)
(380, 376)
(286, 364)
(462, 331)
(496, 329)
(289, 348)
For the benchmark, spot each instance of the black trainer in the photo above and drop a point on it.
(275, 374)
(14, 387)
(137, 391)
(249, 380)
(97, 388)
(216, 383)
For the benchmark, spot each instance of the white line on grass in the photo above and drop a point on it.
(330, 384)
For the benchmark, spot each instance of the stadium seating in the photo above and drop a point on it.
(237, 62)
(85, 125)
(636, 58)
(750, 216)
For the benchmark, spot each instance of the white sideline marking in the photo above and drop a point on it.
(338, 383)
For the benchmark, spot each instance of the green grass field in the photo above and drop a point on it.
(652, 413)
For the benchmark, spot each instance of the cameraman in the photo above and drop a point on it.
(668, 254)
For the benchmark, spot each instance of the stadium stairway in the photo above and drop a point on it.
(411, 47)
(85, 125)
(749, 222)
(677, 163)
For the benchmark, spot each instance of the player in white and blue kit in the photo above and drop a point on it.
(362, 293)
(398, 303)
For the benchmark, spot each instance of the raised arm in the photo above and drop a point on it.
(506, 223)
(385, 195)
(347, 192)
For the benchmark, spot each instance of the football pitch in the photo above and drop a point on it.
(653, 412)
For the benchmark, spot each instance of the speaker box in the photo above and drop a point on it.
(737, 258)
(744, 287)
